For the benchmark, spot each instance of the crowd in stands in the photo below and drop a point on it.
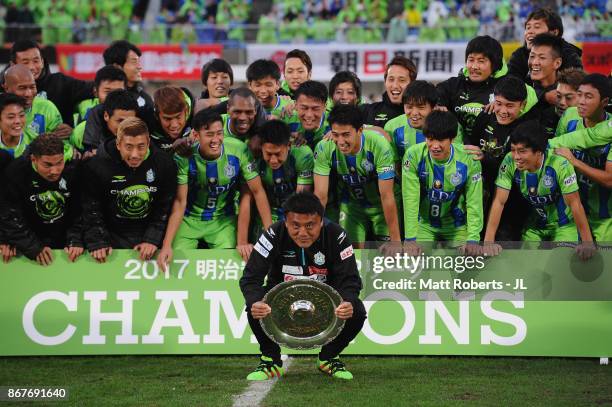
(291, 21)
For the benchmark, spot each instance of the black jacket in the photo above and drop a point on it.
(465, 99)
(145, 102)
(517, 66)
(158, 136)
(5, 160)
(96, 131)
(379, 113)
(330, 259)
(124, 206)
(41, 213)
(64, 91)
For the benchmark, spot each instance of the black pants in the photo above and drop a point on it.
(352, 327)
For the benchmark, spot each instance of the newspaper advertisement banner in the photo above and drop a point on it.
(435, 62)
(159, 62)
(127, 306)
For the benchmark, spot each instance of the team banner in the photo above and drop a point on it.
(521, 303)
(597, 57)
(159, 62)
(435, 61)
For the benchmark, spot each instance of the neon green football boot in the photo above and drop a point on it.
(335, 368)
(266, 370)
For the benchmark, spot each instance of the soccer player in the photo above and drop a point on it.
(309, 120)
(541, 21)
(441, 187)
(217, 77)
(104, 120)
(548, 182)
(419, 100)
(13, 140)
(344, 89)
(303, 247)
(128, 189)
(126, 56)
(594, 166)
(204, 209)
(467, 94)
(41, 114)
(63, 91)
(43, 202)
(364, 163)
(173, 115)
(284, 170)
(239, 122)
(398, 74)
(297, 69)
(263, 77)
(568, 82)
(108, 79)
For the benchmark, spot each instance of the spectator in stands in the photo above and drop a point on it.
(126, 56)
(538, 22)
(64, 91)
(171, 124)
(43, 203)
(211, 179)
(399, 73)
(296, 70)
(128, 189)
(263, 77)
(104, 119)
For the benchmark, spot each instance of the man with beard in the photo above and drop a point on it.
(42, 203)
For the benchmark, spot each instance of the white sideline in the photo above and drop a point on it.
(254, 394)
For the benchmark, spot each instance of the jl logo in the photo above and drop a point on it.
(150, 176)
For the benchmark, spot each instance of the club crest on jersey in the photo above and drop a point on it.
(547, 180)
(437, 184)
(456, 178)
(229, 171)
(319, 259)
(366, 165)
(35, 127)
(150, 175)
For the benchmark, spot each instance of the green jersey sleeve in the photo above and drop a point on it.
(53, 115)
(76, 138)
(247, 163)
(411, 191)
(384, 158)
(568, 182)
(506, 173)
(182, 174)
(474, 201)
(322, 157)
(562, 124)
(583, 139)
(304, 165)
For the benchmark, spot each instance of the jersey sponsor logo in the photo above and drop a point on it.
(295, 270)
(437, 195)
(456, 178)
(229, 171)
(118, 178)
(288, 254)
(386, 169)
(319, 259)
(250, 166)
(354, 179)
(541, 199)
(548, 181)
(346, 253)
(150, 175)
(381, 116)
(306, 174)
(265, 242)
(261, 250)
(317, 270)
(476, 177)
(318, 277)
(271, 232)
(570, 180)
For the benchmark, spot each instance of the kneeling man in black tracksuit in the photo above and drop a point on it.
(303, 246)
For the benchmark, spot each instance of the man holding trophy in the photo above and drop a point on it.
(311, 295)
